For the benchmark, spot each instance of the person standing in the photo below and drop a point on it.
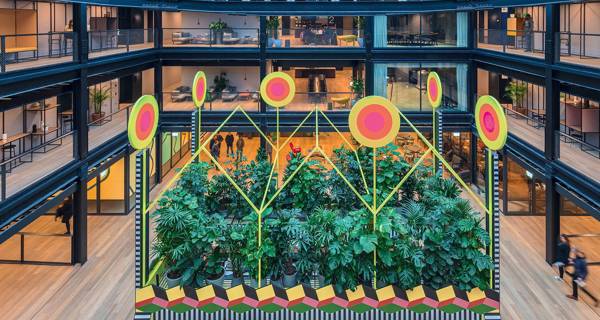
(562, 259)
(240, 147)
(269, 151)
(528, 26)
(229, 143)
(214, 151)
(65, 212)
(219, 142)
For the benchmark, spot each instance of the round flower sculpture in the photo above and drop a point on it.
(374, 121)
(277, 89)
(143, 122)
(199, 89)
(491, 122)
(434, 90)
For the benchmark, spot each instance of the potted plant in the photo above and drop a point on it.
(176, 217)
(358, 87)
(97, 98)
(221, 82)
(216, 28)
(515, 91)
(235, 240)
(273, 32)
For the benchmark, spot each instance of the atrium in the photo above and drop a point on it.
(343, 159)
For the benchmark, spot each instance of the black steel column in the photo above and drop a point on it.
(471, 28)
(80, 134)
(158, 30)
(158, 90)
(263, 57)
(552, 126)
(369, 65)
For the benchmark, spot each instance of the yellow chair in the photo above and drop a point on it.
(349, 39)
(341, 101)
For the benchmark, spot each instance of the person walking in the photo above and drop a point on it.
(65, 212)
(528, 26)
(579, 276)
(562, 258)
(229, 143)
(240, 147)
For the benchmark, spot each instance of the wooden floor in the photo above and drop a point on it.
(103, 288)
(45, 163)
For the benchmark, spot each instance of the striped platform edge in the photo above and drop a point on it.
(303, 298)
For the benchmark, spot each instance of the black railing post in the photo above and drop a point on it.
(3, 181)
(3, 53)
(128, 37)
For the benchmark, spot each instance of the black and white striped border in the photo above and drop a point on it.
(316, 315)
(496, 222)
(439, 140)
(138, 219)
(195, 133)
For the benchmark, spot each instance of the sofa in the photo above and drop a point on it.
(180, 38)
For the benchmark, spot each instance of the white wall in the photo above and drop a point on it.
(148, 81)
(171, 78)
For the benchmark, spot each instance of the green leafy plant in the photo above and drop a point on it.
(272, 26)
(307, 190)
(217, 25)
(97, 98)
(515, 91)
(221, 82)
(357, 86)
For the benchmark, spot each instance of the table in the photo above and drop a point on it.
(348, 39)
(9, 141)
(244, 96)
(341, 101)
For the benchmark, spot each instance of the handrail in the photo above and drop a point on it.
(36, 34)
(32, 150)
(522, 115)
(594, 148)
(110, 115)
(45, 234)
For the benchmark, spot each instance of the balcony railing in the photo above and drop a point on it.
(205, 37)
(407, 38)
(512, 41)
(579, 47)
(215, 101)
(327, 37)
(52, 154)
(120, 40)
(23, 51)
(324, 101)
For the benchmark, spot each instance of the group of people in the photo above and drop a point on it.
(217, 140)
(566, 256)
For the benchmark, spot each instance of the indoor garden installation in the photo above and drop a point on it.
(362, 228)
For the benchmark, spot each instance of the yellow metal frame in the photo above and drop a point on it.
(266, 201)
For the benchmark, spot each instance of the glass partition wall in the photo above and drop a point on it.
(315, 31)
(519, 30)
(228, 87)
(438, 29)
(35, 34)
(579, 36)
(579, 134)
(523, 102)
(404, 84)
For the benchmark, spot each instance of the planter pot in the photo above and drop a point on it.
(254, 283)
(276, 43)
(361, 42)
(217, 282)
(290, 280)
(97, 116)
(277, 282)
(236, 281)
(218, 36)
(172, 282)
(321, 280)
